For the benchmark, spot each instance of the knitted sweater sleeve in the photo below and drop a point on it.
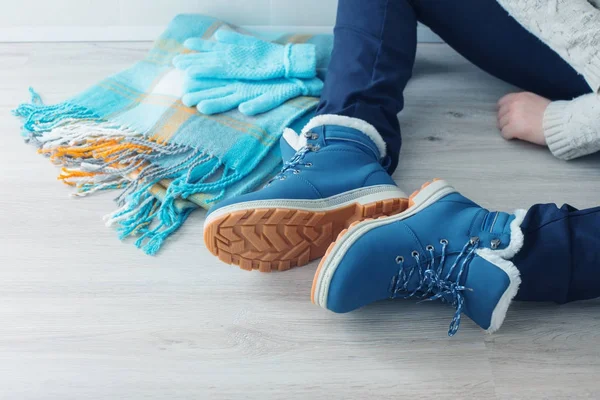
(572, 128)
(569, 27)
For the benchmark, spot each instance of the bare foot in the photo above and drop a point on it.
(521, 116)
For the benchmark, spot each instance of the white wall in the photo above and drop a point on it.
(77, 20)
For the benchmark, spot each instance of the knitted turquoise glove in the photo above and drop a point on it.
(237, 56)
(251, 98)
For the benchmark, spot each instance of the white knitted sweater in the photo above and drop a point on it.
(572, 29)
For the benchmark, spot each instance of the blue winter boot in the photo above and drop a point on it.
(333, 177)
(443, 247)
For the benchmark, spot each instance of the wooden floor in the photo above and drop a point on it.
(83, 316)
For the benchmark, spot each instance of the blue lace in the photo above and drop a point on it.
(432, 284)
(296, 161)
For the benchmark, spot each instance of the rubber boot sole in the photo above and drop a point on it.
(279, 238)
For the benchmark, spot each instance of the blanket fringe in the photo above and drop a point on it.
(96, 155)
(101, 156)
(39, 118)
(140, 217)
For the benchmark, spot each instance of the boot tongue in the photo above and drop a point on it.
(498, 223)
(494, 229)
(290, 143)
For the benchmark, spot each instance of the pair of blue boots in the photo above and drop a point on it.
(434, 245)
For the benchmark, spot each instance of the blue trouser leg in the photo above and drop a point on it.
(560, 258)
(485, 34)
(372, 61)
(374, 50)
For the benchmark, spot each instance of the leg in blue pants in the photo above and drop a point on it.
(485, 34)
(375, 42)
(560, 259)
(372, 61)
(374, 52)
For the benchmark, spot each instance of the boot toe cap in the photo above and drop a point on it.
(364, 273)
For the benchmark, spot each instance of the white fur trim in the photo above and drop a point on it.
(292, 138)
(348, 122)
(515, 281)
(516, 237)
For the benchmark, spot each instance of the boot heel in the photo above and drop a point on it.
(434, 189)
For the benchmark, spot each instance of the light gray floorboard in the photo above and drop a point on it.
(83, 316)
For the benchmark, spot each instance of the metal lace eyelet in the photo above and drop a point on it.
(444, 242)
(282, 178)
(296, 172)
(495, 243)
(399, 259)
(314, 136)
(474, 240)
(307, 134)
(316, 147)
(429, 247)
(415, 253)
(308, 165)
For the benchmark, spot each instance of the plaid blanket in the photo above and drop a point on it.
(131, 132)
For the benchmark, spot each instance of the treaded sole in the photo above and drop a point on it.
(268, 239)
